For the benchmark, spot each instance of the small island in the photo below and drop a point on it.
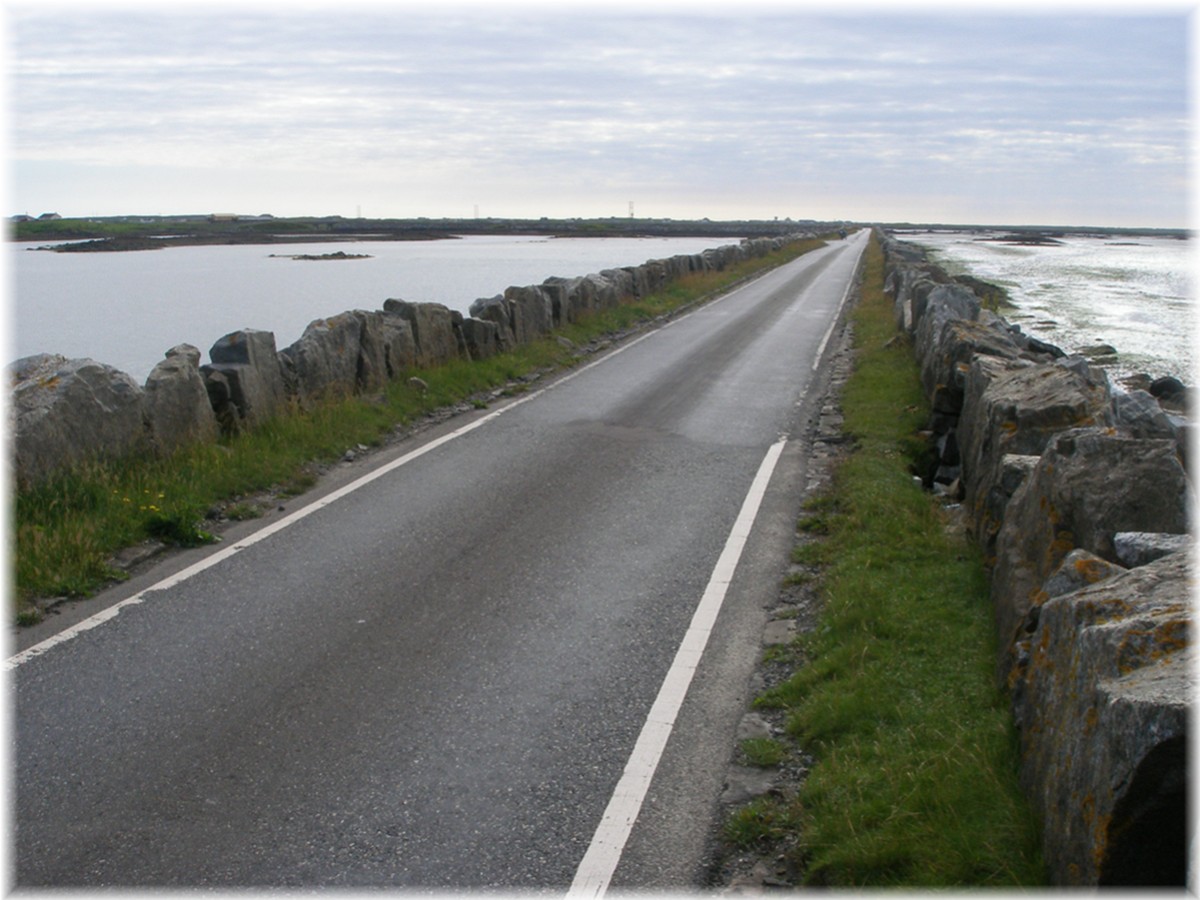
(338, 255)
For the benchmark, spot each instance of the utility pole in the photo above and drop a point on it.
(631, 209)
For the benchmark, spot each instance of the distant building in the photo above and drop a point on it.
(46, 216)
(224, 217)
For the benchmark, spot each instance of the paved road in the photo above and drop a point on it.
(436, 679)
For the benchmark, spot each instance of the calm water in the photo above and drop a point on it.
(1134, 294)
(127, 309)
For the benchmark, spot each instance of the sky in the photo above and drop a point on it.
(1078, 115)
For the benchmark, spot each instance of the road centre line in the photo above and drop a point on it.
(604, 853)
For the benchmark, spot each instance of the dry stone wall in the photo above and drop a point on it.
(65, 412)
(1078, 494)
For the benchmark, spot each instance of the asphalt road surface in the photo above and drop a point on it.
(432, 672)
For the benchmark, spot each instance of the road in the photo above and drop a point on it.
(433, 670)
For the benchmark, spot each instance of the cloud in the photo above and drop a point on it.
(523, 103)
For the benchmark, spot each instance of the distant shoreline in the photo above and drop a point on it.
(130, 233)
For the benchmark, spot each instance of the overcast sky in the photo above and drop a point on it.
(431, 109)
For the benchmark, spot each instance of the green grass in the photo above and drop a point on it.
(763, 752)
(66, 529)
(916, 777)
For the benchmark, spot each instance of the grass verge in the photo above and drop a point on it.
(915, 780)
(67, 529)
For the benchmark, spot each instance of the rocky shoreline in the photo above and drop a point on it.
(1079, 495)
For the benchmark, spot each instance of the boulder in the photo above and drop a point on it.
(946, 357)
(339, 355)
(1079, 569)
(67, 411)
(899, 252)
(482, 337)
(1139, 413)
(1169, 390)
(716, 258)
(912, 288)
(1102, 708)
(621, 282)
(654, 271)
(220, 398)
(1014, 407)
(941, 305)
(531, 311)
(251, 375)
(399, 346)
(570, 297)
(435, 330)
(496, 310)
(1137, 548)
(176, 403)
(637, 281)
(1089, 484)
(556, 291)
(605, 291)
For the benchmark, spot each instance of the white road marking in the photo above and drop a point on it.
(598, 864)
(833, 324)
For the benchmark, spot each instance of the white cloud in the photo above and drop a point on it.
(537, 108)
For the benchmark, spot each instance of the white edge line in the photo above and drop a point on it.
(600, 861)
(111, 612)
(837, 315)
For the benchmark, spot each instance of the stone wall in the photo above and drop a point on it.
(65, 412)
(1077, 492)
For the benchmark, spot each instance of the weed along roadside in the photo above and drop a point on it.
(887, 754)
(90, 523)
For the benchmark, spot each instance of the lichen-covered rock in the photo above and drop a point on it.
(177, 407)
(1089, 484)
(942, 304)
(1102, 708)
(947, 356)
(1079, 569)
(1015, 407)
(67, 411)
(251, 375)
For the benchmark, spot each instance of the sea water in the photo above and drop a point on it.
(127, 308)
(1134, 294)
